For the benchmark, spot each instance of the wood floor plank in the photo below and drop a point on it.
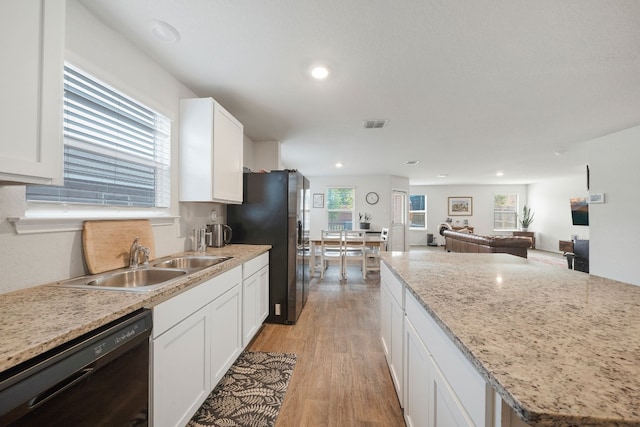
(341, 378)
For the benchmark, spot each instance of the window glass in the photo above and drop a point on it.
(340, 208)
(418, 211)
(116, 150)
(505, 212)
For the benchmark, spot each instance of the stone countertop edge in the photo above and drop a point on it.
(401, 264)
(40, 318)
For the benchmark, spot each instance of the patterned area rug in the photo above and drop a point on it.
(250, 394)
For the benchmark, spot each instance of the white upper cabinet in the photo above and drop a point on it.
(211, 147)
(32, 48)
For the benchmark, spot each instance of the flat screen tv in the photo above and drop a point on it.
(579, 211)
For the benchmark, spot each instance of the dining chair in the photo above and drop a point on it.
(354, 250)
(373, 253)
(330, 250)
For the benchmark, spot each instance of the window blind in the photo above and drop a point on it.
(116, 151)
(505, 211)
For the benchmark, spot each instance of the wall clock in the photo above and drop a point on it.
(372, 198)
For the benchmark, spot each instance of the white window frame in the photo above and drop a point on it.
(352, 211)
(424, 211)
(51, 216)
(515, 212)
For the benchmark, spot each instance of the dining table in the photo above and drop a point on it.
(371, 241)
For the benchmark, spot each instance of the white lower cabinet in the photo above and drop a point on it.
(392, 326)
(457, 395)
(181, 379)
(442, 387)
(429, 399)
(255, 293)
(196, 337)
(417, 385)
(226, 332)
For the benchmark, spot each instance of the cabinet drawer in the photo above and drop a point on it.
(253, 266)
(172, 311)
(474, 393)
(393, 284)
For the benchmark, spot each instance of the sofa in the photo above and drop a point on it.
(456, 241)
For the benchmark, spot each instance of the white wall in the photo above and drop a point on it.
(550, 201)
(28, 260)
(614, 243)
(266, 156)
(482, 207)
(380, 212)
(248, 153)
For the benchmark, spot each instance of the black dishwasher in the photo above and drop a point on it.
(98, 379)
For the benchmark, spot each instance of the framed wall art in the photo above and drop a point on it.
(460, 206)
(318, 200)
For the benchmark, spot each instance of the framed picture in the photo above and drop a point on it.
(460, 206)
(318, 200)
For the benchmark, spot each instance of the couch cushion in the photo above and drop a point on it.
(494, 241)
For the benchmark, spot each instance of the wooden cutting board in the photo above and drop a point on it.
(106, 244)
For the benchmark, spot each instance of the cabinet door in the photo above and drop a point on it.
(263, 285)
(226, 333)
(227, 156)
(255, 301)
(32, 34)
(250, 301)
(211, 153)
(385, 321)
(446, 408)
(417, 399)
(396, 361)
(391, 332)
(181, 370)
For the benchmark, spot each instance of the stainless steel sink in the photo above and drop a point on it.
(145, 279)
(138, 280)
(191, 262)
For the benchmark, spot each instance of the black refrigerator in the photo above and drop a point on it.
(275, 212)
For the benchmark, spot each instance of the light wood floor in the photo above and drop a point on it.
(341, 377)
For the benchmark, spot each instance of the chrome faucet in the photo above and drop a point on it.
(134, 254)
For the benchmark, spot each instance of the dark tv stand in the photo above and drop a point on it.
(577, 253)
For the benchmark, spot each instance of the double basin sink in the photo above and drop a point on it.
(145, 278)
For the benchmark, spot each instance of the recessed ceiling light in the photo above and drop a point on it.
(320, 72)
(443, 175)
(499, 173)
(338, 165)
(163, 31)
(412, 162)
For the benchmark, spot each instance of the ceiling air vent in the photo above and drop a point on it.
(374, 124)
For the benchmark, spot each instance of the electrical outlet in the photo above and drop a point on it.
(277, 309)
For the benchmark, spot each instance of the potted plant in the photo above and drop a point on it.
(364, 220)
(527, 218)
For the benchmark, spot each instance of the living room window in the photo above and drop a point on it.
(116, 150)
(340, 208)
(418, 211)
(505, 211)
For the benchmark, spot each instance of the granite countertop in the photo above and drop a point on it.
(561, 347)
(40, 318)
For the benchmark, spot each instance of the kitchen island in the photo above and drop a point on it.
(559, 347)
(40, 318)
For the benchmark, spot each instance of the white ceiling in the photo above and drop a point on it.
(470, 87)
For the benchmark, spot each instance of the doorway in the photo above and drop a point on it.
(399, 201)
